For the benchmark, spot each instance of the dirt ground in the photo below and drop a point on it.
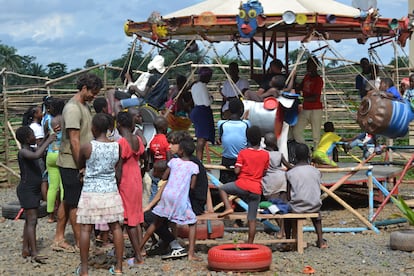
(349, 253)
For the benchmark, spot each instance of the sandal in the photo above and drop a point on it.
(175, 253)
(78, 269)
(62, 246)
(132, 262)
(114, 272)
(40, 259)
(308, 270)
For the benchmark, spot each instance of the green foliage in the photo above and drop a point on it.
(406, 211)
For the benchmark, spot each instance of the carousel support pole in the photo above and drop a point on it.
(325, 101)
(407, 166)
(349, 208)
(370, 195)
(287, 52)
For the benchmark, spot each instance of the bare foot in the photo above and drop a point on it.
(225, 213)
(280, 235)
(194, 258)
(26, 253)
(322, 244)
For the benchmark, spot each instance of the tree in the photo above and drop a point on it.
(56, 70)
(89, 63)
(9, 59)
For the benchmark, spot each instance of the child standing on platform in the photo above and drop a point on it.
(130, 186)
(28, 190)
(174, 204)
(100, 201)
(304, 191)
(250, 167)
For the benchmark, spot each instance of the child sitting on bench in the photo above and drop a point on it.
(304, 191)
(252, 163)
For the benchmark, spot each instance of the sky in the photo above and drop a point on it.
(73, 31)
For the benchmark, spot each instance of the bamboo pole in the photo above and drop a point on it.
(10, 170)
(13, 134)
(73, 74)
(350, 209)
(6, 130)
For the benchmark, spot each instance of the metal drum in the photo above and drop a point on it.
(259, 116)
(378, 114)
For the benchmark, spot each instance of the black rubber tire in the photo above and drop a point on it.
(402, 240)
(217, 230)
(11, 209)
(240, 257)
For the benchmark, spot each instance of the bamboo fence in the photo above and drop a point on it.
(340, 97)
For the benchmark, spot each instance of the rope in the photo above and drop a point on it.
(175, 99)
(131, 54)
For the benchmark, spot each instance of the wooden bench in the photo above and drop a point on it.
(297, 229)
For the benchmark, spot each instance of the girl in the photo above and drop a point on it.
(100, 201)
(55, 182)
(174, 204)
(33, 118)
(130, 186)
(202, 115)
(28, 190)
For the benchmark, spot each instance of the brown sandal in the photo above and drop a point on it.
(62, 246)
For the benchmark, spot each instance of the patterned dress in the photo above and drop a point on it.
(175, 201)
(100, 201)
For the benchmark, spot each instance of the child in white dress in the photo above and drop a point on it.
(100, 201)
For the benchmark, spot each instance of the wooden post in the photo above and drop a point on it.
(6, 129)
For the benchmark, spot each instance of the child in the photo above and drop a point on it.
(130, 186)
(33, 118)
(174, 204)
(304, 191)
(28, 190)
(232, 135)
(274, 181)
(159, 145)
(326, 146)
(100, 201)
(388, 86)
(54, 179)
(250, 167)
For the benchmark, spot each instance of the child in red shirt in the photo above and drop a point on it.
(250, 167)
(159, 144)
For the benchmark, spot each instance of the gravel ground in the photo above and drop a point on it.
(361, 253)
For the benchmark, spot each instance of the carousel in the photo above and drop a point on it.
(268, 25)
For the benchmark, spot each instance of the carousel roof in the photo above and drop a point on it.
(216, 20)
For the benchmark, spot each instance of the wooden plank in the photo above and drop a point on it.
(243, 215)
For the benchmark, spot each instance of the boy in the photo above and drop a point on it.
(232, 136)
(159, 145)
(250, 167)
(304, 191)
(326, 146)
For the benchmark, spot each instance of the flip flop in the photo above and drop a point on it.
(62, 246)
(308, 270)
(113, 272)
(131, 262)
(40, 259)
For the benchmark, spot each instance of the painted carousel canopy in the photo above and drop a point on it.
(278, 20)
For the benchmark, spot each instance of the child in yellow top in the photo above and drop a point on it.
(326, 146)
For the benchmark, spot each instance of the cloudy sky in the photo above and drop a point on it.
(73, 31)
